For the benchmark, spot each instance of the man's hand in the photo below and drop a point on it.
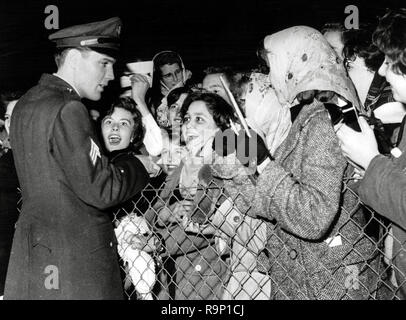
(359, 147)
(152, 168)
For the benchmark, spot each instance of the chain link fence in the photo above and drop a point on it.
(172, 247)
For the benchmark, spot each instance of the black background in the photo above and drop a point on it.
(211, 32)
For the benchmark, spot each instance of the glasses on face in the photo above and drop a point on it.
(173, 75)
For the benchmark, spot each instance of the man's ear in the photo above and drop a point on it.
(72, 58)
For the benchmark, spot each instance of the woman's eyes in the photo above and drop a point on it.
(109, 122)
(200, 120)
(196, 119)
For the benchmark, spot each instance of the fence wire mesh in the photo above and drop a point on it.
(174, 247)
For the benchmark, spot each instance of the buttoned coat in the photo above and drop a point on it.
(64, 245)
(200, 271)
(316, 246)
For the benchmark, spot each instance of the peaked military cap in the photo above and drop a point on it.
(99, 35)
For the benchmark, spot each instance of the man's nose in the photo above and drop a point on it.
(110, 73)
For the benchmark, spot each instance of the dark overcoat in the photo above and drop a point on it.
(64, 245)
(383, 188)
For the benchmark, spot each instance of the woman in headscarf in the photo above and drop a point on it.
(264, 113)
(169, 73)
(316, 248)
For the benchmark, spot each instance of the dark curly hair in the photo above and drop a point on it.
(127, 103)
(166, 57)
(390, 38)
(221, 111)
(175, 94)
(358, 43)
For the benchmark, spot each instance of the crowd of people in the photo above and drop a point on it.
(280, 182)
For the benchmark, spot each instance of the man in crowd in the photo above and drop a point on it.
(64, 245)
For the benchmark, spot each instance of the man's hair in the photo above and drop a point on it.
(390, 38)
(164, 58)
(127, 103)
(221, 111)
(358, 43)
(60, 55)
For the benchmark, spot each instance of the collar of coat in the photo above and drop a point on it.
(307, 112)
(57, 83)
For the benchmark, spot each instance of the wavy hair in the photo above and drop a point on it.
(221, 111)
(127, 103)
(390, 38)
(358, 43)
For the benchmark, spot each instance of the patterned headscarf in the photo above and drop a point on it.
(301, 59)
(264, 113)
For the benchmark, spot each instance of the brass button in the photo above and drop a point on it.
(198, 268)
(111, 244)
(236, 219)
(293, 254)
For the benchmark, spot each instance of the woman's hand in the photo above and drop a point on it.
(175, 212)
(194, 227)
(358, 174)
(140, 86)
(145, 243)
(359, 147)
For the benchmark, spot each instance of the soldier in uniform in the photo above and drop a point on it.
(64, 245)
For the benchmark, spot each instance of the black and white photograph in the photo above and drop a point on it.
(215, 151)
